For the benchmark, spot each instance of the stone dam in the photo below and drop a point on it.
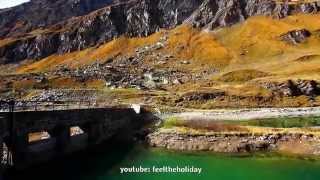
(96, 125)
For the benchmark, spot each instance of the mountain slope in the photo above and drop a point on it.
(201, 54)
(138, 18)
(242, 46)
(42, 13)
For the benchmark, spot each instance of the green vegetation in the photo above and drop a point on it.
(172, 122)
(243, 126)
(280, 122)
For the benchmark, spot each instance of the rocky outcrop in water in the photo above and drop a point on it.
(132, 18)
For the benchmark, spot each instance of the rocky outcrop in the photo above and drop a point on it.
(236, 143)
(202, 96)
(295, 36)
(42, 13)
(132, 18)
(36, 47)
(295, 88)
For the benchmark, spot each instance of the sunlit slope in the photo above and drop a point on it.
(184, 43)
(117, 47)
(256, 45)
(251, 46)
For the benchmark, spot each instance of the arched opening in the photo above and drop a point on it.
(38, 136)
(78, 138)
(75, 131)
(41, 142)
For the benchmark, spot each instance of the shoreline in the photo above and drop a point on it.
(301, 141)
(243, 114)
(241, 142)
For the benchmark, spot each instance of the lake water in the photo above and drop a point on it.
(104, 163)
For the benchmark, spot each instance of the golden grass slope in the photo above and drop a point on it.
(199, 47)
(242, 75)
(184, 43)
(255, 44)
(120, 46)
(252, 47)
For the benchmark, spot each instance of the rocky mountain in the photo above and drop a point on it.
(40, 28)
(41, 13)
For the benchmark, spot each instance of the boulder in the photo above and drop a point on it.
(295, 88)
(295, 36)
(309, 88)
(202, 96)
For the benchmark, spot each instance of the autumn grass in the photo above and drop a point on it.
(287, 125)
(59, 83)
(248, 131)
(6, 41)
(52, 62)
(242, 75)
(242, 57)
(252, 45)
(202, 125)
(120, 46)
(255, 45)
(245, 44)
(184, 42)
(198, 47)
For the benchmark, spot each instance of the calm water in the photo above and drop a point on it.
(104, 164)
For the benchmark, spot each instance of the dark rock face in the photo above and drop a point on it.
(133, 18)
(296, 88)
(202, 96)
(296, 36)
(41, 13)
(31, 48)
(309, 88)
